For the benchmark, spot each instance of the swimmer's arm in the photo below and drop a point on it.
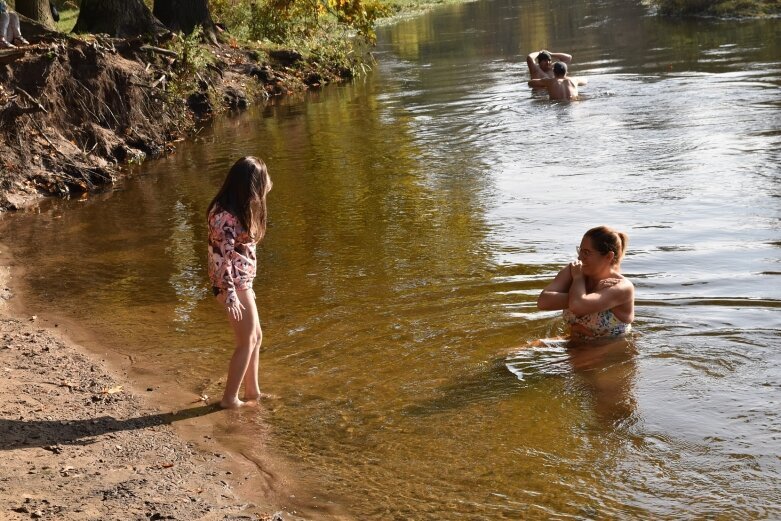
(555, 295)
(534, 69)
(582, 303)
(541, 83)
(581, 81)
(562, 57)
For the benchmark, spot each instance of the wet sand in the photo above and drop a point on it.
(80, 439)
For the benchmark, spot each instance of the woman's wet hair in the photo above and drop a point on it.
(606, 239)
(243, 194)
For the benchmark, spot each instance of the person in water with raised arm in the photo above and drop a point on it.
(540, 63)
(596, 299)
(561, 86)
(237, 222)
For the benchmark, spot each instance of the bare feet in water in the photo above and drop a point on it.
(248, 401)
(235, 404)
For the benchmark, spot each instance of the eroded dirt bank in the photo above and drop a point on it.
(73, 111)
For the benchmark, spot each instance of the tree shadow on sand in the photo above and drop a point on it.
(21, 434)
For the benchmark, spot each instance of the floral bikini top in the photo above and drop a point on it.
(601, 324)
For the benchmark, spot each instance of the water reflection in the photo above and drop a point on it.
(416, 215)
(603, 371)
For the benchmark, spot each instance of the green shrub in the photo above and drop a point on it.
(280, 20)
(193, 58)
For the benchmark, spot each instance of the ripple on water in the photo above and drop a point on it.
(418, 212)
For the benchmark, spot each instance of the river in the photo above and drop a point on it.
(416, 214)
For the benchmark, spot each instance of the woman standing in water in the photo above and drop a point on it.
(597, 300)
(237, 222)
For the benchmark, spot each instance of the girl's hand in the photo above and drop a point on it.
(607, 283)
(235, 310)
(576, 269)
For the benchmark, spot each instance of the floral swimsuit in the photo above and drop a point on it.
(232, 259)
(602, 324)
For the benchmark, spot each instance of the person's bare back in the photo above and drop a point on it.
(561, 86)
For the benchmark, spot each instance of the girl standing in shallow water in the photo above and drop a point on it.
(596, 299)
(237, 222)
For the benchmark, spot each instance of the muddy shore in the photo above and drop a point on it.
(83, 440)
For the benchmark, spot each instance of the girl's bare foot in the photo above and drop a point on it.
(232, 404)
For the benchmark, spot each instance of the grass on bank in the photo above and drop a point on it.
(335, 34)
(67, 20)
(332, 35)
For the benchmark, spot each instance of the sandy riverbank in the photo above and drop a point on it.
(81, 440)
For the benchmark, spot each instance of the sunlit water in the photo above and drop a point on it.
(415, 216)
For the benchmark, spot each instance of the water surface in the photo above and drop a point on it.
(415, 216)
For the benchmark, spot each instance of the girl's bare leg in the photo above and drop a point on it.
(247, 335)
(251, 383)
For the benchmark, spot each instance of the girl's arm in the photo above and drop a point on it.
(555, 295)
(582, 303)
(227, 246)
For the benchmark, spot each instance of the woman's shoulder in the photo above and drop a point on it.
(626, 289)
(625, 284)
(616, 283)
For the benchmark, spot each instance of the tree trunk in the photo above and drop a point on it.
(38, 10)
(185, 16)
(36, 31)
(117, 18)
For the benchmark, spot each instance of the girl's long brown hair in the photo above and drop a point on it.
(243, 194)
